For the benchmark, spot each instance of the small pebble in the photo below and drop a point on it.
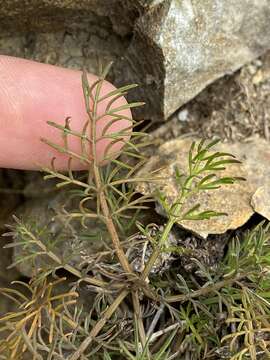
(183, 115)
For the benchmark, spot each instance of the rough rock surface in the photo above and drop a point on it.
(9, 199)
(71, 240)
(54, 15)
(172, 48)
(235, 200)
(179, 47)
(261, 201)
(233, 108)
(73, 39)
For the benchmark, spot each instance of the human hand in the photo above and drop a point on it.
(31, 94)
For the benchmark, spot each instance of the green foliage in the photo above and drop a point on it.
(139, 353)
(209, 314)
(203, 168)
(228, 313)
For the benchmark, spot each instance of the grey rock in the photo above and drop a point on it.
(235, 200)
(179, 47)
(70, 241)
(10, 181)
(171, 48)
(72, 34)
(6, 274)
(55, 15)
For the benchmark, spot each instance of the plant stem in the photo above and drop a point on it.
(155, 254)
(138, 314)
(67, 267)
(205, 290)
(117, 246)
(99, 325)
(107, 218)
(110, 225)
(119, 251)
(94, 170)
(185, 192)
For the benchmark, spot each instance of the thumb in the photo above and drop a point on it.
(31, 94)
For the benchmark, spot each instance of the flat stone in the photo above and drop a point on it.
(234, 200)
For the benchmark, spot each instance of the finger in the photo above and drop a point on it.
(31, 94)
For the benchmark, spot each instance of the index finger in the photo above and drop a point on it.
(31, 94)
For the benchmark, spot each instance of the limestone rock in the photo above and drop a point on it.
(171, 48)
(179, 47)
(261, 201)
(235, 200)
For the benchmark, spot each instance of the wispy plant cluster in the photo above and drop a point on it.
(131, 314)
